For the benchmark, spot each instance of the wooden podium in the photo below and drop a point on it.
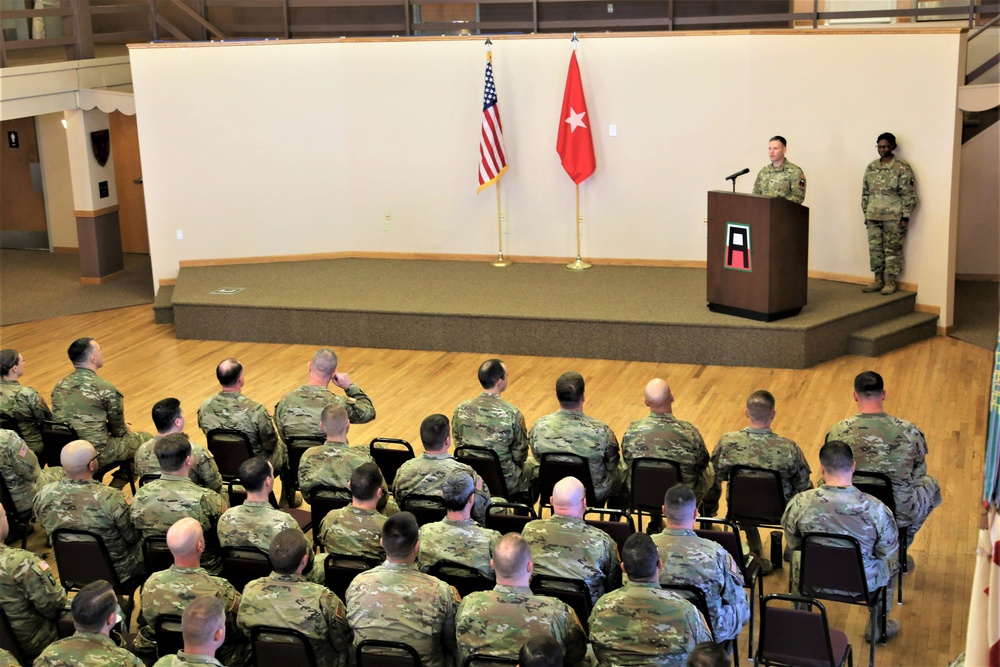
(758, 253)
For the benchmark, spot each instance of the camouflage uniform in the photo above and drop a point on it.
(762, 448)
(31, 597)
(786, 181)
(489, 421)
(170, 591)
(7, 660)
(27, 407)
(887, 444)
(888, 195)
(86, 649)
(288, 601)
(352, 531)
(231, 409)
(398, 602)
(21, 472)
(572, 432)
(463, 542)
(331, 464)
(663, 436)
(425, 475)
(500, 621)
(181, 659)
(844, 511)
(297, 415)
(161, 503)
(96, 411)
(565, 546)
(204, 472)
(644, 625)
(90, 505)
(689, 559)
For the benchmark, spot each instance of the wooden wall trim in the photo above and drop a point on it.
(927, 308)
(167, 281)
(96, 214)
(527, 259)
(65, 249)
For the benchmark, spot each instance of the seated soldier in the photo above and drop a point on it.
(356, 530)
(457, 538)
(169, 418)
(203, 626)
(22, 404)
(21, 472)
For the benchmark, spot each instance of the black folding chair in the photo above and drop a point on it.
(426, 509)
(509, 517)
(389, 454)
(296, 448)
(486, 463)
(156, 557)
(377, 653)
(799, 636)
(167, 629)
(553, 467)
(230, 448)
(82, 558)
(879, 485)
(273, 645)
(650, 479)
(755, 497)
(465, 579)
(616, 523)
(697, 597)
(9, 642)
(55, 436)
(21, 519)
(483, 660)
(323, 499)
(9, 423)
(340, 570)
(573, 592)
(241, 565)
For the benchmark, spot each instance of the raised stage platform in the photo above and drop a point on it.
(606, 312)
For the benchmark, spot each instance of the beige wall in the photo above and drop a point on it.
(286, 148)
(979, 207)
(58, 184)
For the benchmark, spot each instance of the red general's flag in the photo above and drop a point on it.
(575, 144)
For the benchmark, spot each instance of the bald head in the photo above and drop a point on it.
(569, 497)
(658, 395)
(184, 537)
(76, 457)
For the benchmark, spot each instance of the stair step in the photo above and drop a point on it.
(892, 334)
(163, 306)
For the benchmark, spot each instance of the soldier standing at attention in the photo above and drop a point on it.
(94, 407)
(781, 178)
(23, 404)
(888, 196)
(894, 446)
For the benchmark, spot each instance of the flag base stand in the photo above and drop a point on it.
(500, 261)
(578, 265)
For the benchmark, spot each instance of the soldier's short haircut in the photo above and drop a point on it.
(780, 138)
(324, 361)
(254, 472)
(287, 549)
(541, 651)
(491, 372)
(79, 349)
(569, 389)
(171, 450)
(888, 137)
(93, 605)
(679, 501)
(202, 617)
(457, 488)
(366, 480)
(228, 372)
(8, 359)
(434, 430)
(639, 556)
(334, 417)
(868, 383)
(707, 654)
(399, 535)
(165, 412)
(760, 405)
(836, 456)
(511, 555)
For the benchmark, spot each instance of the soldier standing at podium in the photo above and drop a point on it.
(781, 178)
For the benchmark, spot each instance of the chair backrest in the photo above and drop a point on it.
(650, 480)
(375, 653)
(508, 517)
(483, 660)
(616, 523)
(241, 565)
(8, 640)
(389, 454)
(694, 595)
(55, 436)
(832, 568)
(876, 484)
(487, 464)
(7, 500)
(296, 448)
(322, 499)
(573, 592)
(553, 467)
(427, 509)
(148, 477)
(339, 571)
(169, 639)
(9, 423)
(465, 579)
(755, 496)
(794, 636)
(230, 448)
(726, 535)
(276, 646)
(155, 554)
(82, 557)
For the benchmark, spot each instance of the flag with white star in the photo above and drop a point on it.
(575, 144)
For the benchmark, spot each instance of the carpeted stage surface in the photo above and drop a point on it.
(612, 312)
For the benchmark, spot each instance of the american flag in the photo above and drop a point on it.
(492, 157)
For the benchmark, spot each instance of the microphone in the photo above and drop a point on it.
(733, 177)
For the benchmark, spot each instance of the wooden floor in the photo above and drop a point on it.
(940, 384)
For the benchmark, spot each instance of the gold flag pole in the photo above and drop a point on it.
(579, 264)
(500, 261)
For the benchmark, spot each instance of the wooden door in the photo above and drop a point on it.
(131, 199)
